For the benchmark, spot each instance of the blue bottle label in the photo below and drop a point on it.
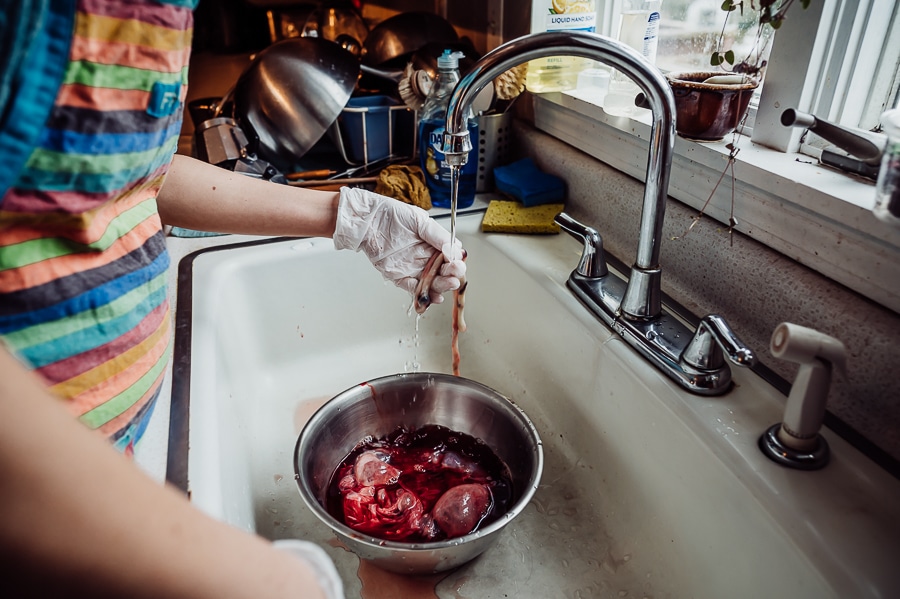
(436, 169)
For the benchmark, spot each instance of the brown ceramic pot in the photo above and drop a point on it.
(708, 111)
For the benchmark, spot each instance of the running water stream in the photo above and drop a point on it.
(454, 195)
(459, 324)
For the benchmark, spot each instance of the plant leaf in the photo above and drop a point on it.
(715, 59)
(729, 56)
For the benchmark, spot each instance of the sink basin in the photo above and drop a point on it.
(647, 491)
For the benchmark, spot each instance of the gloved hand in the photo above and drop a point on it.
(316, 558)
(398, 238)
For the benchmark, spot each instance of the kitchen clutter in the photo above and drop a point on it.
(333, 101)
(431, 138)
(405, 183)
(290, 94)
(536, 198)
(392, 42)
(524, 181)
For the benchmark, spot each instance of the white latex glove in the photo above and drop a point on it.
(318, 561)
(398, 238)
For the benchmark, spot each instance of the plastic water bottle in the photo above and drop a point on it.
(887, 189)
(638, 28)
(431, 138)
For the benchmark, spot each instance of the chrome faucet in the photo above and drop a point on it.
(633, 309)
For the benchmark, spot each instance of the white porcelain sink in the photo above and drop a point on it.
(647, 491)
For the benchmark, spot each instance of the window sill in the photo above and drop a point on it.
(818, 216)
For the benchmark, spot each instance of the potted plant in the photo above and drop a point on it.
(710, 104)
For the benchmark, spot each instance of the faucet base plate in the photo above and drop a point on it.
(661, 340)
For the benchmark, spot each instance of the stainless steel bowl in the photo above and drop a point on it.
(391, 42)
(291, 94)
(377, 408)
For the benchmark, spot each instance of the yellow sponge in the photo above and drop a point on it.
(504, 216)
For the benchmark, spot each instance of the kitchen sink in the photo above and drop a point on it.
(647, 491)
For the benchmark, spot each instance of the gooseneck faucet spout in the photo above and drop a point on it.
(694, 359)
(642, 299)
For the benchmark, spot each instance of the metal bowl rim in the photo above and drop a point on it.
(375, 542)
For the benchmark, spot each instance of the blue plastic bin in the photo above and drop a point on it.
(370, 128)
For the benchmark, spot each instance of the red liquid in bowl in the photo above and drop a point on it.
(429, 484)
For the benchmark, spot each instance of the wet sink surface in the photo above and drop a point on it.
(647, 491)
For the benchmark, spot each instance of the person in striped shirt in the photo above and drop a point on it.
(91, 98)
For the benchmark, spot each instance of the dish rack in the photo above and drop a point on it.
(372, 128)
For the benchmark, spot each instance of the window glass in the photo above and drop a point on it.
(690, 31)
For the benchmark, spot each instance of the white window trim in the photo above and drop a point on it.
(825, 78)
(813, 214)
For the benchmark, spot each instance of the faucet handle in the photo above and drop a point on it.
(713, 337)
(593, 261)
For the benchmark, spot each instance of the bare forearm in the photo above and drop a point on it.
(78, 519)
(201, 196)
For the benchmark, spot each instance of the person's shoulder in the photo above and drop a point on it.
(34, 51)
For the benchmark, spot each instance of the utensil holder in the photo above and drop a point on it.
(494, 136)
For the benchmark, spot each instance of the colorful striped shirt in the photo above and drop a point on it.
(83, 262)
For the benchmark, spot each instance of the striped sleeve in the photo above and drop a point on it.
(83, 263)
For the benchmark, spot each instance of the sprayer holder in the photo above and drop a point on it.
(796, 442)
(812, 459)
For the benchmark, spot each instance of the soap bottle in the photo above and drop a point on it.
(559, 73)
(638, 28)
(432, 122)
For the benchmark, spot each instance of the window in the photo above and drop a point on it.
(839, 62)
(690, 31)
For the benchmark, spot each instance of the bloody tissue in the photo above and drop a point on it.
(428, 484)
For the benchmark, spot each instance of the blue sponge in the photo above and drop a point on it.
(528, 184)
